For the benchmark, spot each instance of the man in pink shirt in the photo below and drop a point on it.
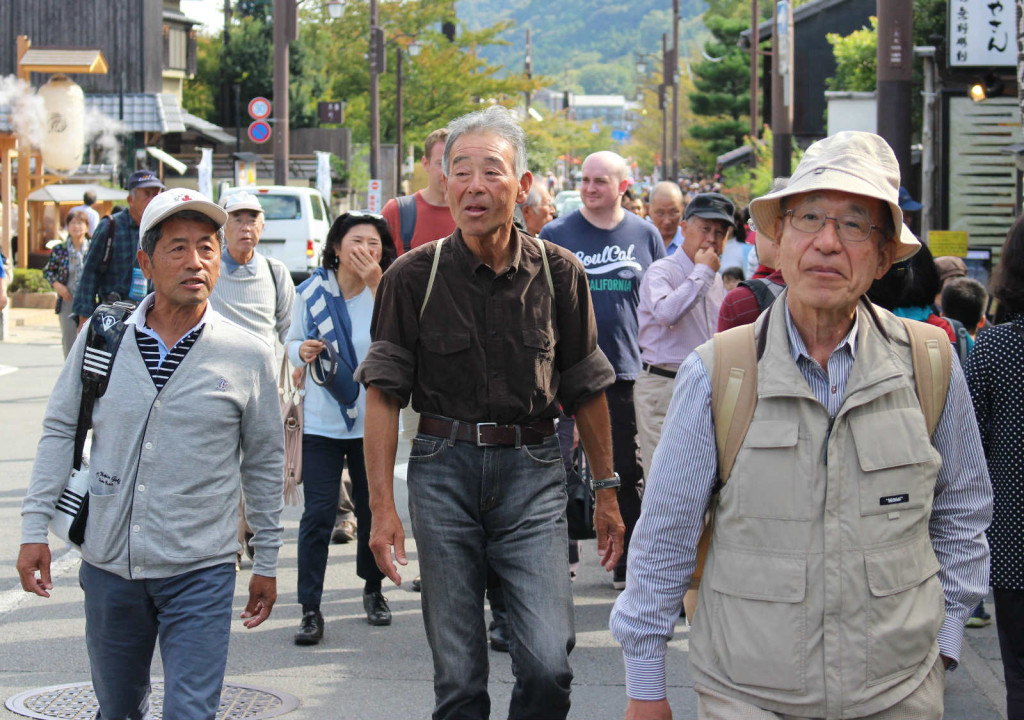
(679, 301)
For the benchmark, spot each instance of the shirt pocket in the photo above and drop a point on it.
(758, 613)
(448, 358)
(775, 465)
(895, 457)
(538, 357)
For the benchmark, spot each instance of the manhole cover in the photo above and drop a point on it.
(77, 700)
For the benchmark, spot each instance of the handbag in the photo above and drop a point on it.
(579, 508)
(292, 394)
(106, 328)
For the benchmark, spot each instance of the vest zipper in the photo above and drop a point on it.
(828, 434)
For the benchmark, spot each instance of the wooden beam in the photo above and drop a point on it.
(7, 145)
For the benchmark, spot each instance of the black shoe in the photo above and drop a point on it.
(377, 610)
(311, 629)
(497, 634)
(417, 586)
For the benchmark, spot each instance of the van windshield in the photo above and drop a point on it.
(280, 207)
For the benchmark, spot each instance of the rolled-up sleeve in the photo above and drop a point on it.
(583, 369)
(390, 363)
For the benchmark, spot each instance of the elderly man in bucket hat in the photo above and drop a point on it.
(847, 544)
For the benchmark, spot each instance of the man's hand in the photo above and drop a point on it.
(707, 256)
(262, 596)
(648, 710)
(32, 557)
(610, 528)
(386, 533)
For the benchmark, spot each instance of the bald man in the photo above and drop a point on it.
(667, 212)
(616, 248)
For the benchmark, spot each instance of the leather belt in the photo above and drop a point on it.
(655, 370)
(488, 434)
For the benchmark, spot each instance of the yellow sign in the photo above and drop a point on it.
(947, 242)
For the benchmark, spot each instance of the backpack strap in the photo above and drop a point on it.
(108, 247)
(433, 274)
(272, 277)
(407, 219)
(547, 267)
(933, 362)
(765, 291)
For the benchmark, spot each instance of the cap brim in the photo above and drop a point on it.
(712, 215)
(244, 206)
(211, 210)
(149, 184)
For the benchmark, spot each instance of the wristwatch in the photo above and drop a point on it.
(612, 482)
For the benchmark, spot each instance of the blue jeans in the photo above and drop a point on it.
(190, 614)
(323, 459)
(504, 507)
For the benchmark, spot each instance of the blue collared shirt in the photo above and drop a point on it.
(229, 264)
(664, 546)
(677, 242)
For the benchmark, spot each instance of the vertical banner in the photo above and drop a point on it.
(205, 172)
(323, 174)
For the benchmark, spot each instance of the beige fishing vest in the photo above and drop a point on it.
(820, 595)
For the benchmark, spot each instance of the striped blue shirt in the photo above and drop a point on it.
(160, 360)
(663, 550)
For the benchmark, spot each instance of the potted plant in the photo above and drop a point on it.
(29, 289)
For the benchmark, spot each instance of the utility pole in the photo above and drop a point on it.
(755, 56)
(675, 90)
(376, 54)
(663, 104)
(399, 119)
(895, 77)
(528, 69)
(782, 90)
(284, 32)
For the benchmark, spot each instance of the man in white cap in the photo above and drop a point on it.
(847, 546)
(173, 444)
(253, 291)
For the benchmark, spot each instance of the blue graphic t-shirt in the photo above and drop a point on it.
(615, 260)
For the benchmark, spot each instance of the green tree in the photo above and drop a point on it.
(856, 59)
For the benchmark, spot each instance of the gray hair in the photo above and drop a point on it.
(495, 120)
(152, 235)
(533, 198)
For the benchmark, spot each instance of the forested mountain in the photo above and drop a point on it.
(597, 39)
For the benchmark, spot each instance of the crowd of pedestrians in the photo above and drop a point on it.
(795, 458)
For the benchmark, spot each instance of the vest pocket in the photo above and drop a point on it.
(894, 453)
(906, 608)
(759, 618)
(777, 483)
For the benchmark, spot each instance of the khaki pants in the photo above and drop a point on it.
(925, 703)
(651, 397)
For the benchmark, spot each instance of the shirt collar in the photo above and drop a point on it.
(798, 349)
(230, 264)
(138, 317)
(471, 263)
(676, 244)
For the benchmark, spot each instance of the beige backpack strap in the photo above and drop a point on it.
(733, 399)
(433, 274)
(547, 267)
(933, 362)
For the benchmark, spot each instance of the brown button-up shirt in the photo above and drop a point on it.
(489, 347)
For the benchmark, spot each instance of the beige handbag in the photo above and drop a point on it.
(291, 411)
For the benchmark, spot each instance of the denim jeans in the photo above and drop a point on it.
(505, 507)
(322, 461)
(191, 616)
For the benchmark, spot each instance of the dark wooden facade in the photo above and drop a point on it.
(129, 32)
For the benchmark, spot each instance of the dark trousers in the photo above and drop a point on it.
(322, 461)
(1010, 624)
(625, 459)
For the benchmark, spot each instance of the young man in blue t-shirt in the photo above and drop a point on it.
(615, 247)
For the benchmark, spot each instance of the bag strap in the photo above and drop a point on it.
(765, 291)
(933, 362)
(433, 274)
(407, 219)
(733, 392)
(547, 266)
(108, 247)
(273, 277)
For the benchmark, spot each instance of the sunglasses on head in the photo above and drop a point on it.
(365, 213)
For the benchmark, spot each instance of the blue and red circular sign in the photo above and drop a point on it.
(259, 131)
(259, 108)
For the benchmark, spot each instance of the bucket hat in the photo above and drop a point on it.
(855, 162)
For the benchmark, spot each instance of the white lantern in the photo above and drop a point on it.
(64, 133)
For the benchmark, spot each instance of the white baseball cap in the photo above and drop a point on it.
(241, 200)
(174, 201)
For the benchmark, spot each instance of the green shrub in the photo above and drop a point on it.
(29, 280)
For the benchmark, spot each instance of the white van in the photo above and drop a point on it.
(297, 222)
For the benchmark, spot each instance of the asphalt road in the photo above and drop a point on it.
(358, 671)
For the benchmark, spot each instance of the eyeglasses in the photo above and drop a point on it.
(850, 228)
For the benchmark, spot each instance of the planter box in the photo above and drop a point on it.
(39, 301)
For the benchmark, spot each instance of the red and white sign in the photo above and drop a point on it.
(259, 131)
(259, 108)
(373, 203)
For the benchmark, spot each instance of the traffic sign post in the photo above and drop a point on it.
(373, 203)
(259, 131)
(259, 108)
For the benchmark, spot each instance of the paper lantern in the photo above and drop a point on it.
(64, 133)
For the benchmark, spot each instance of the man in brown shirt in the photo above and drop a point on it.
(489, 331)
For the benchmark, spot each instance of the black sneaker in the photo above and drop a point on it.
(311, 628)
(377, 610)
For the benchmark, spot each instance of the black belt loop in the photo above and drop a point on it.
(454, 433)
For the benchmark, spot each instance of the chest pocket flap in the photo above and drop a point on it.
(445, 343)
(759, 577)
(771, 434)
(889, 439)
(538, 338)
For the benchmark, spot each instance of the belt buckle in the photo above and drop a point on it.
(479, 442)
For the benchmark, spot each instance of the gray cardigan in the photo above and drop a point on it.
(166, 467)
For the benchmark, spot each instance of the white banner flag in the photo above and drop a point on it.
(205, 169)
(323, 175)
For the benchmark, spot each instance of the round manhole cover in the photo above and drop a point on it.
(78, 701)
